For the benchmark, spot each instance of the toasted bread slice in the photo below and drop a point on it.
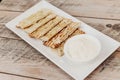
(40, 23)
(60, 48)
(33, 18)
(62, 36)
(45, 28)
(56, 29)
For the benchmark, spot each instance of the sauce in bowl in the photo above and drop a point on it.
(82, 48)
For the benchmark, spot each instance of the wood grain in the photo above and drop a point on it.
(16, 5)
(108, 70)
(20, 59)
(6, 16)
(6, 33)
(103, 72)
(13, 77)
(106, 9)
(40, 71)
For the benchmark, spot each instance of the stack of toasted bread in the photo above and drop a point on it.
(52, 29)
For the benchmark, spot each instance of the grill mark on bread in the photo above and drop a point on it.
(62, 36)
(56, 29)
(33, 18)
(40, 23)
(45, 28)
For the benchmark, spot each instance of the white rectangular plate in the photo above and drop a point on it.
(80, 71)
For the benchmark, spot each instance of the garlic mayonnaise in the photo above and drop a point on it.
(82, 48)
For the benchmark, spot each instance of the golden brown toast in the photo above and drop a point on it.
(62, 36)
(60, 48)
(40, 23)
(56, 29)
(27, 22)
(45, 28)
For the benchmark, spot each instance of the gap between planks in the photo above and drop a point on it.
(21, 76)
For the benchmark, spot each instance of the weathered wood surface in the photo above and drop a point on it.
(4, 76)
(106, 9)
(19, 58)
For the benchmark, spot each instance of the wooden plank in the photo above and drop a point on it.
(6, 33)
(6, 16)
(12, 50)
(41, 71)
(109, 70)
(12, 77)
(100, 24)
(16, 5)
(90, 8)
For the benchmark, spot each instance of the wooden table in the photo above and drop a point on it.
(19, 61)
